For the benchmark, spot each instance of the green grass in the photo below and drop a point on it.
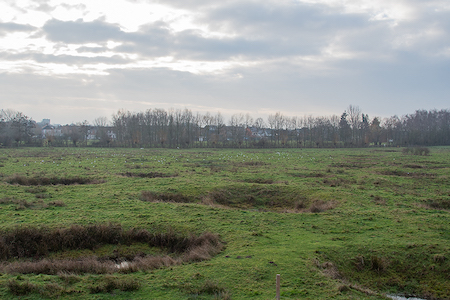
(335, 223)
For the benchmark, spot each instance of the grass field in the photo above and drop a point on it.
(335, 223)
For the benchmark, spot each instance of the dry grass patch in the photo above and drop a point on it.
(207, 288)
(378, 200)
(20, 288)
(309, 175)
(43, 180)
(21, 204)
(335, 182)
(259, 181)
(38, 243)
(148, 175)
(439, 203)
(249, 164)
(330, 270)
(320, 206)
(110, 283)
(150, 196)
(57, 203)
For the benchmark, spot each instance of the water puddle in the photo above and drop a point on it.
(394, 297)
(123, 265)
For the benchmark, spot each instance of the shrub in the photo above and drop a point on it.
(110, 283)
(416, 151)
(129, 285)
(209, 288)
(68, 278)
(439, 258)
(407, 150)
(378, 264)
(21, 289)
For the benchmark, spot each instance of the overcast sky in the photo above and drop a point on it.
(77, 60)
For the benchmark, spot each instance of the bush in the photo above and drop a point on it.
(379, 264)
(416, 151)
(109, 283)
(21, 289)
(209, 288)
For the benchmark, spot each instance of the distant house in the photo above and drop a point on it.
(111, 134)
(95, 133)
(260, 133)
(92, 134)
(50, 130)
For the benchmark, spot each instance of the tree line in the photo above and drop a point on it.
(175, 128)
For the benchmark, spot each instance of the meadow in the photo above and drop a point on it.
(100, 223)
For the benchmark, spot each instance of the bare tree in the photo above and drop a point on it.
(354, 116)
(345, 131)
(101, 130)
(237, 129)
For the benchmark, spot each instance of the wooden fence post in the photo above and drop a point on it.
(278, 287)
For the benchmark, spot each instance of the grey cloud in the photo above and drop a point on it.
(263, 32)
(44, 7)
(79, 32)
(189, 45)
(184, 4)
(13, 27)
(79, 60)
(63, 59)
(154, 39)
(255, 17)
(84, 49)
(270, 29)
(429, 33)
(79, 6)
